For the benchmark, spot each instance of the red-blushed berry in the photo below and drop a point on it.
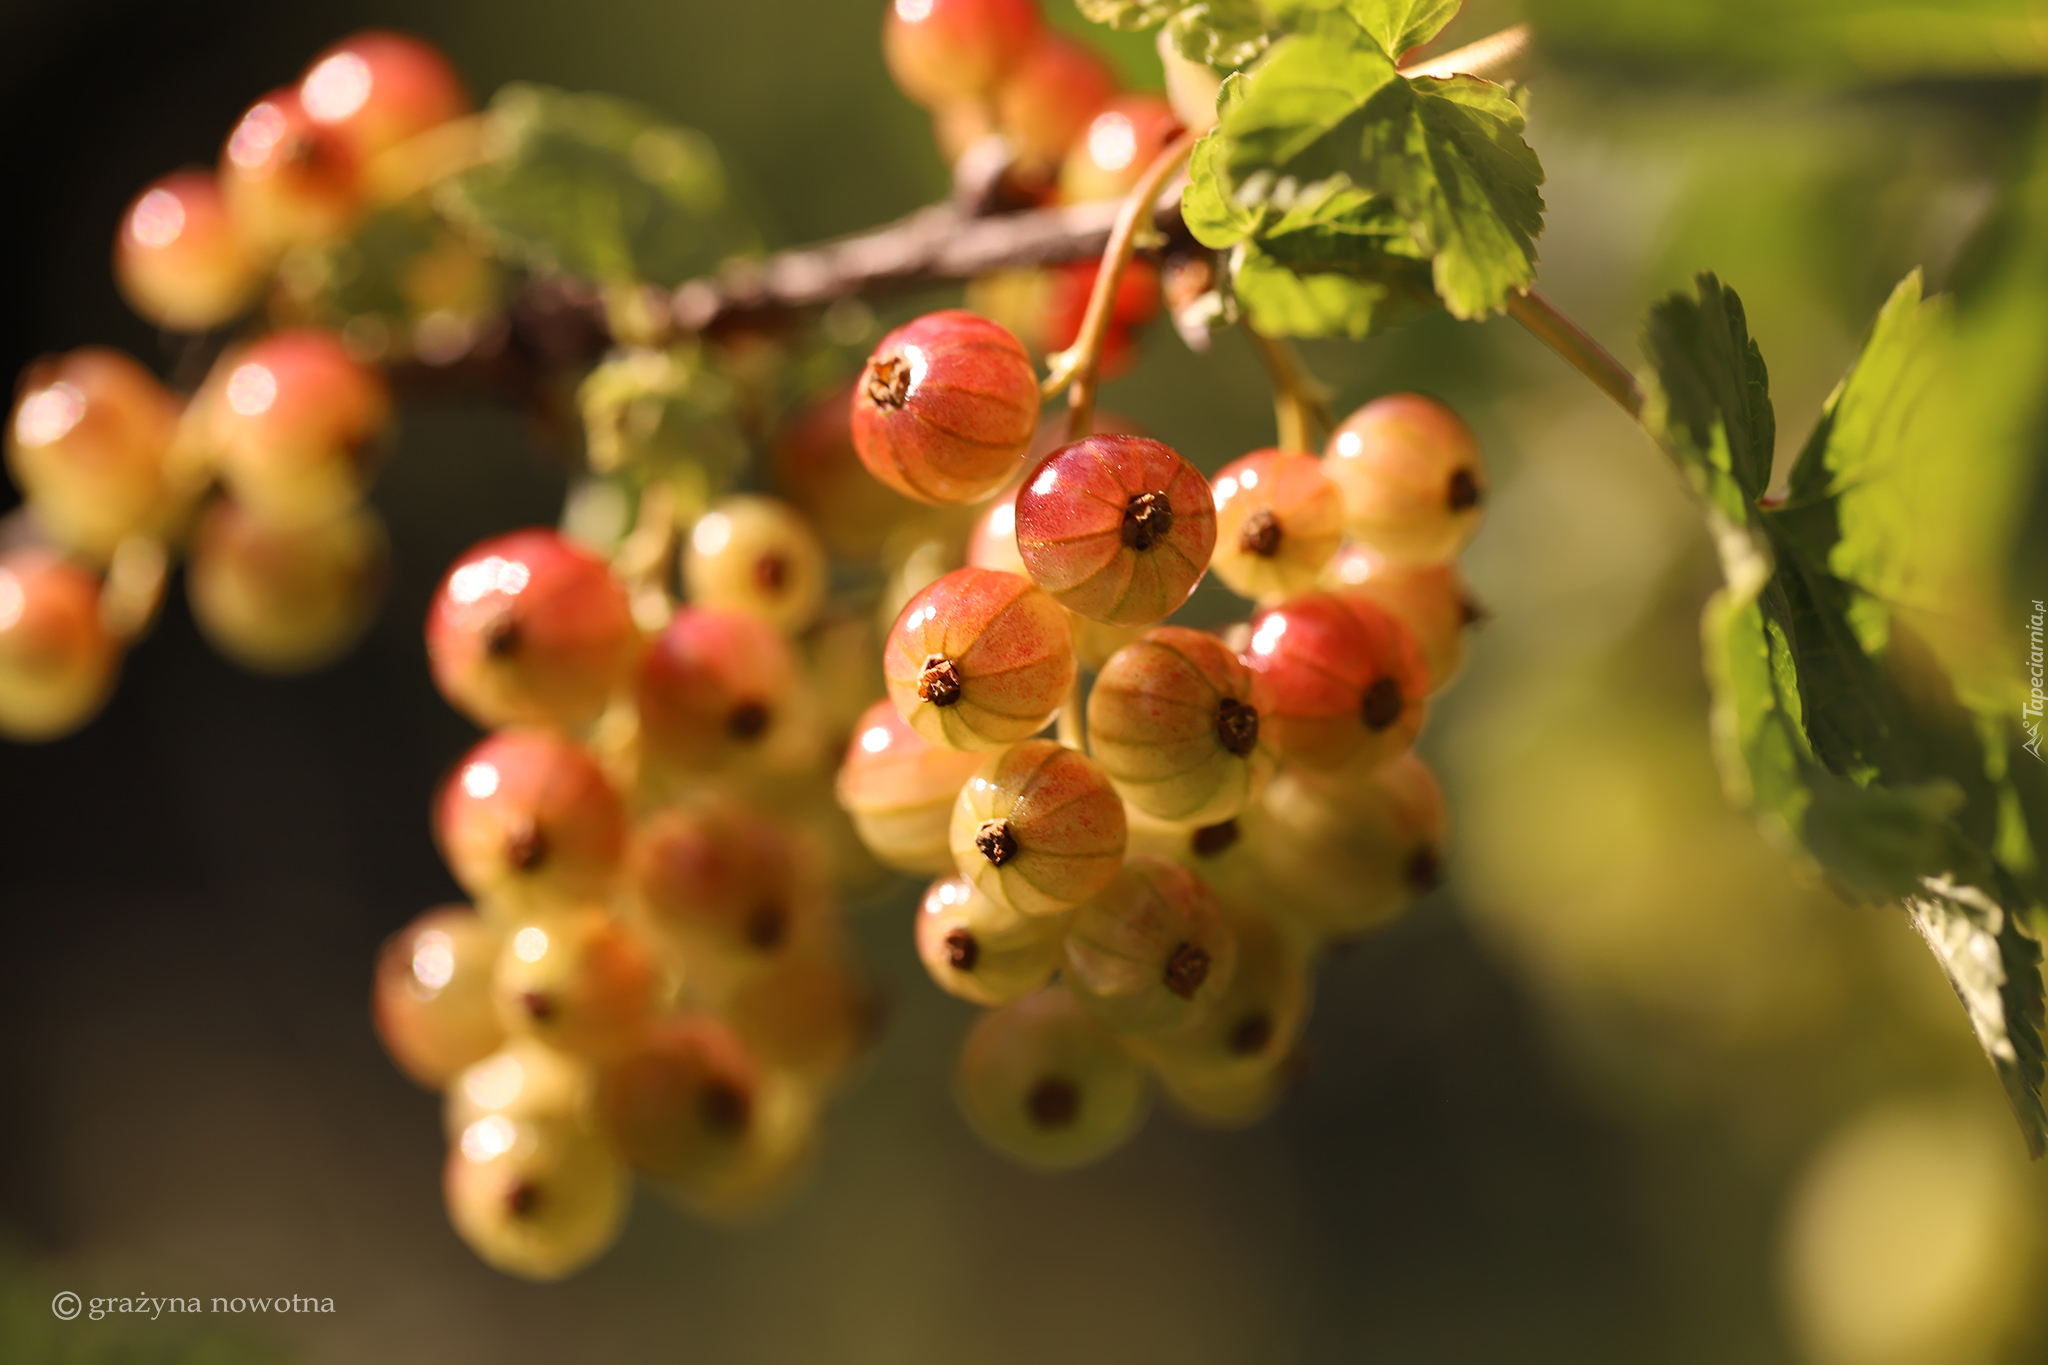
(1346, 852)
(293, 421)
(979, 659)
(1119, 143)
(810, 1016)
(680, 1104)
(1411, 477)
(1063, 306)
(1336, 680)
(540, 1201)
(900, 791)
(981, 951)
(725, 888)
(375, 90)
(1171, 720)
(1433, 602)
(1117, 528)
(1279, 519)
(1044, 1083)
(774, 1154)
(756, 555)
(1254, 1024)
(288, 180)
(432, 1000)
(713, 687)
(946, 407)
(818, 471)
(86, 445)
(1038, 828)
(1046, 102)
(285, 599)
(948, 52)
(993, 545)
(528, 822)
(530, 629)
(579, 980)
(57, 660)
(1150, 953)
(180, 259)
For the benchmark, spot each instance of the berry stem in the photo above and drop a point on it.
(1579, 350)
(1298, 396)
(643, 557)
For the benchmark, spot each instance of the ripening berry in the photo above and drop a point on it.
(1117, 528)
(1120, 142)
(1411, 476)
(579, 980)
(1044, 1083)
(679, 1106)
(756, 555)
(538, 1202)
(1151, 952)
(713, 687)
(375, 90)
(1048, 100)
(432, 1002)
(993, 545)
(1336, 680)
(1038, 828)
(946, 407)
(57, 660)
(1346, 852)
(981, 951)
(525, 1080)
(87, 444)
(1226, 1103)
(293, 422)
(774, 1153)
(809, 1016)
(1223, 854)
(818, 471)
(979, 659)
(287, 179)
(180, 258)
(900, 791)
(723, 885)
(1255, 1022)
(528, 822)
(943, 52)
(285, 599)
(1278, 521)
(1432, 602)
(1171, 720)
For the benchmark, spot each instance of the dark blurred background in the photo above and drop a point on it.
(1633, 1088)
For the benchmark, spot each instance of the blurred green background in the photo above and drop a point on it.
(1635, 1087)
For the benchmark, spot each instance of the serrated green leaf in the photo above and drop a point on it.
(1222, 33)
(1283, 298)
(1396, 25)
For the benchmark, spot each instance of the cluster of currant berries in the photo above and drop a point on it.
(1150, 897)
(258, 478)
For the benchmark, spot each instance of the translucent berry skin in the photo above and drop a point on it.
(528, 822)
(809, 1016)
(1116, 528)
(375, 90)
(946, 407)
(775, 1152)
(900, 791)
(679, 1106)
(1118, 144)
(432, 1001)
(1223, 854)
(981, 951)
(86, 445)
(1048, 100)
(57, 661)
(722, 883)
(1349, 851)
(1432, 602)
(1411, 477)
(756, 555)
(979, 659)
(579, 980)
(525, 1080)
(287, 179)
(712, 689)
(818, 471)
(1038, 828)
(1279, 519)
(528, 629)
(943, 52)
(1171, 720)
(1150, 953)
(1336, 680)
(285, 600)
(533, 1201)
(1044, 1083)
(293, 422)
(1254, 1024)
(180, 258)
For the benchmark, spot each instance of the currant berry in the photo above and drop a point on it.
(945, 52)
(285, 600)
(541, 1204)
(1171, 720)
(1116, 528)
(993, 545)
(376, 90)
(1223, 854)
(981, 951)
(1347, 852)
(680, 1105)
(808, 1016)
(1278, 521)
(1038, 828)
(87, 446)
(946, 407)
(900, 791)
(713, 688)
(1255, 1022)
(180, 259)
(777, 1149)
(528, 822)
(1226, 1103)
(432, 1003)
(525, 1081)
(287, 179)
(293, 423)
(721, 883)
(756, 555)
(579, 980)
(1411, 476)
(57, 660)
(1044, 1083)
(1121, 141)
(1432, 602)
(820, 473)
(979, 659)
(1151, 952)
(1336, 681)
(1048, 100)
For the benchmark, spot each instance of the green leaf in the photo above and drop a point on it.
(1290, 299)
(1396, 25)
(1222, 33)
(402, 264)
(598, 187)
